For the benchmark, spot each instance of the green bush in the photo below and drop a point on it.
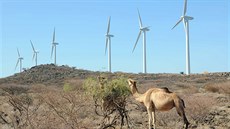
(113, 88)
(67, 87)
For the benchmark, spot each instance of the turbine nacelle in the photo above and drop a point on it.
(54, 43)
(187, 17)
(144, 28)
(109, 35)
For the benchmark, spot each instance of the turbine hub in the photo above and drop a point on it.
(109, 35)
(144, 29)
(54, 43)
(187, 17)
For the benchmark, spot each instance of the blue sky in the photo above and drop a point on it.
(81, 26)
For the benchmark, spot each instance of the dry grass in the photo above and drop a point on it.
(75, 84)
(47, 108)
(223, 87)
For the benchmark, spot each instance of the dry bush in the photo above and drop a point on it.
(201, 79)
(49, 108)
(198, 106)
(189, 89)
(13, 89)
(39, 88)
(73, 85)
(223, 87)
(20, 112)
(67, 109)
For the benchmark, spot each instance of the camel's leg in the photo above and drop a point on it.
(154, 119)
(180, 110)
(150, 117)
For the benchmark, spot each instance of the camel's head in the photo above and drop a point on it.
(132, 86)
(131, 83)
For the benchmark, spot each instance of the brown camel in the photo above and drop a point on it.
(160, 99)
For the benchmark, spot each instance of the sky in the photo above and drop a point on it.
(81, 26)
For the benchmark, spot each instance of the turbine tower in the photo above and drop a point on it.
(142, 30)
(185, 20)
(19, 61)
(108, 45)
(54, 50)
(35, 55)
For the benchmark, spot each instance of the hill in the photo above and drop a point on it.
(51, 74)
(46, 74)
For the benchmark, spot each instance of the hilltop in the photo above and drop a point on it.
(46, 74)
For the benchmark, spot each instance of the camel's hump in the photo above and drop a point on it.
(166, 89)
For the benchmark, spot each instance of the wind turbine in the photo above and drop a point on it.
(185, 20)
(54, 44)
(19, 61)
(108, 45)
(142, 30)
(35, 55)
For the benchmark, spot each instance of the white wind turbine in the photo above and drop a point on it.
(142, 30)
(108, 45)
(35, 55)
(185, 20)
(54, 44)
(19, 61)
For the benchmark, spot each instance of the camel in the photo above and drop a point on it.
(160, 99)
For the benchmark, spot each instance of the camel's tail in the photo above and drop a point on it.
(183, 103)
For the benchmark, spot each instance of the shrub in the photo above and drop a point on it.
(116, 88)
(109, 97)
(67, 87)
(14, 89)
(223, 87)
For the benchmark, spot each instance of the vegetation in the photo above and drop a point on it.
(110, 99)
(67, 87)
(115, 88)
(218, 87)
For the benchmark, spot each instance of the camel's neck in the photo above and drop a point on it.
(138, 96)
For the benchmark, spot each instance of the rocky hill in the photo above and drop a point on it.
(46, 74)
(52, 74)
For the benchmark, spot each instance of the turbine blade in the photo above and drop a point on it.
(108, 26)
(18, 53)
(106, 44)
(185, 7)
(54, 35)
(140, 22)
(16, 64)
(52, 51)
(137, 40)
(177, 23)
(32, 45)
